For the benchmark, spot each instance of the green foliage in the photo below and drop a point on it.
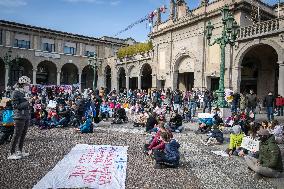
(134, 49)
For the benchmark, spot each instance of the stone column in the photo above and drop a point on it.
(281, 79)
(80, 80)
(139, 81)
(127, 82)
(34, 76)
(154, 81)
(6, 75)
(58, 77)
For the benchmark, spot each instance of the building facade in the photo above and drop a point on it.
(182, 58)
(53, 57)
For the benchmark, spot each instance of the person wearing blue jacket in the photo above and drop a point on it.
(170, 156)
(87, 126)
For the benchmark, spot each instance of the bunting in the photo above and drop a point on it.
(150, 17)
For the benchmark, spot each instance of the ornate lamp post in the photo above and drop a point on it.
(8, 64)
(94, 63)
(229, 36)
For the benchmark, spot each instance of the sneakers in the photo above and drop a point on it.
(14, 157)
(23, 154)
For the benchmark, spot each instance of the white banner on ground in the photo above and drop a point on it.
(89, 166)
(250, 144)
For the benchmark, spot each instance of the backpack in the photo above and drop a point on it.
(8, 118)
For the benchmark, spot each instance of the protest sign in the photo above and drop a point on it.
(88, 166)
(250, 144)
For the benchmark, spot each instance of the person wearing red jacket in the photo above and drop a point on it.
(156, 143)
(279, 102)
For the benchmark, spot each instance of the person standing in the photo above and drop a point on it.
(22, 116)
(279, 102)
(243, 102)
(252, 101)
(268, 102)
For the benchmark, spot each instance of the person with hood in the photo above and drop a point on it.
(170, 156)
(268, 102)
(22, 116)
(236, 138)
(269, 163)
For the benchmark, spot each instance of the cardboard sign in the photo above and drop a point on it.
(250, 144)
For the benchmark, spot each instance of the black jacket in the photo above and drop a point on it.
(20, 105)
(268, 101)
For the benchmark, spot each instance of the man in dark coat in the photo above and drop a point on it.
(252, 101)
(268, 102)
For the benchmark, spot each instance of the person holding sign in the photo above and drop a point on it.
(269, 163)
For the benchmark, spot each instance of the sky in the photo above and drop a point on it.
(95, 18)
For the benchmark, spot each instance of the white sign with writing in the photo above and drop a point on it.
(89, 166)
(47, 54)
(250, 144)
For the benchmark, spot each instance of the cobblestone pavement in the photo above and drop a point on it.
(200, 168)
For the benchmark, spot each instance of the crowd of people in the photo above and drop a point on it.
(161, 112)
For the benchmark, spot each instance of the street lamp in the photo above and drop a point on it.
(229, 36)
(8, 63)
(94, 63)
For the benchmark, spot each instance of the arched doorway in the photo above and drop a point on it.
(87, 77)
(19, 68)
(108, 77)
(260, 70)
(46, 73)
(146, 77)
(2, 73)
(133, 77)
(69, 74)
(121, 79)
(184, 73)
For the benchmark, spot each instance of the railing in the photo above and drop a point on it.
(259, 28)
(135, 58)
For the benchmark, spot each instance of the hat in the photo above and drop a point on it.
(263, 132)
(24, 80)
(236, 129)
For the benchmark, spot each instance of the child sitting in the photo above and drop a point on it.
(215, 136)
(236, 138)
(156, 143)
(87, 126)
(170, 156)
(7, 126)
(52, 118)
(104, 110)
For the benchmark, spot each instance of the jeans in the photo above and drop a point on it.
(265, 171)
(269, 112)
(160, 158)
(207, 105)
(280, 110)
(21, 128)
(234, 108)
(192, 108)
(177, 107)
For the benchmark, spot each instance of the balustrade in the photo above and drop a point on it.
(259, 28)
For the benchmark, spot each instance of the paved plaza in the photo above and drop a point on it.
(199, 168)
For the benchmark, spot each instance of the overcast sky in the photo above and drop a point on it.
(86, 17)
